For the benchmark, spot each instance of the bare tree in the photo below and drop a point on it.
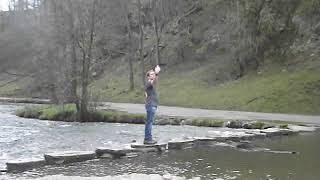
(141, 39)
(156, 29)
(130, 54)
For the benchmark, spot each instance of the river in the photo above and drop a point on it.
(25, 138)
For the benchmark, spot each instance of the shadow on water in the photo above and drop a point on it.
(23, 138)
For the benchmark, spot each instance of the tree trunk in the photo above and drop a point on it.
(74, 74)
(130, 54)
(74, 82)
(155, 23)
(141, 45)
(131, 80)
(86, 67)
(84, 89)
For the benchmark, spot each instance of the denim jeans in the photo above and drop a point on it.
(151, 111)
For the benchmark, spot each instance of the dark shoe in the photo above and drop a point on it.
(149, 142)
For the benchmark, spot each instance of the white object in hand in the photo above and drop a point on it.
(157, 69)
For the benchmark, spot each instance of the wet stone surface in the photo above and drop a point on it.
(69, 157)
(181, 143)
(116, 151)
(302, 128)
(24, 164)
(141, 145)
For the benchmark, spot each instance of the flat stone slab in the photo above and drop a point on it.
(205, 140)
(181, 143)
(248, 146)
(115, 151)
(282, 152)
(222, 136)
(302, 128)
(24, 164)
(145, 148)
(141, 145)
(270, 132)
(130, 155)
(69, 157)
(257, 133)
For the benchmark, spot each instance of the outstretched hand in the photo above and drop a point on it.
(157, 69)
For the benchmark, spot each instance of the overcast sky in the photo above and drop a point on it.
(4, 5)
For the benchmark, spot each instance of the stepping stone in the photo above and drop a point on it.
(246, 146)
(181, 144)
(141, 145)
(69, 157)
(205, 140)
(227, 135)
(220, 139)
(234, 138)
(282, 152)
(257, 133)
(24, 164)
(145, 148)
(270, 132)
(302, 128)
(288, 132)
(130, 155)
(248, 136)
(115, 151)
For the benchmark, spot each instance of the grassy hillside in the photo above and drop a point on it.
(7, 89)
(274, 89)
(14, 87)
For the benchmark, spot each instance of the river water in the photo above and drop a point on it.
(25, 138)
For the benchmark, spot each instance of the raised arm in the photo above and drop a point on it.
(153, 75)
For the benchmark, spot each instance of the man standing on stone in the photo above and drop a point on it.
(152, 101)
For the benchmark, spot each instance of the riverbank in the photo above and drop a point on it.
(67, 113)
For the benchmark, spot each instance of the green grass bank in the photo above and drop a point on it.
(280, 90)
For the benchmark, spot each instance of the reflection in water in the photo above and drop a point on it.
(24, 138)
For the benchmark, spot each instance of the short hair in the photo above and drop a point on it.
(148, 73)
